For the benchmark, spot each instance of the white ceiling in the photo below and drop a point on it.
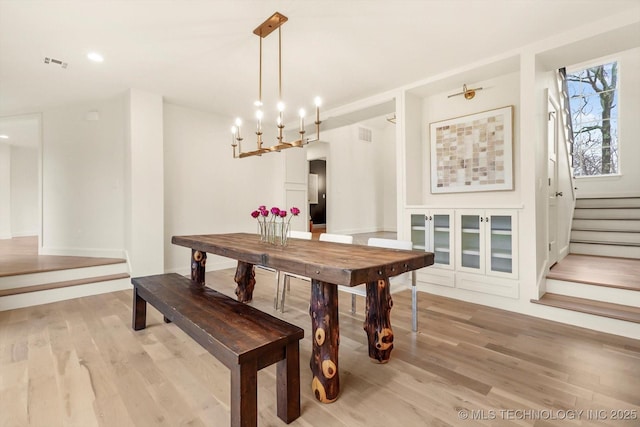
(203, 54)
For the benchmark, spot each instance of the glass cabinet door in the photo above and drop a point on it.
(441, 247)
(419, 232)
(501, 243)
(471, 241)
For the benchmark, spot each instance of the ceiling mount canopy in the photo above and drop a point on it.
(274, 22)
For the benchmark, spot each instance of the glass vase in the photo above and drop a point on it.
(263, 232)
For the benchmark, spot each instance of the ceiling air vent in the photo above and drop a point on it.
(365, 134)
(48, 60)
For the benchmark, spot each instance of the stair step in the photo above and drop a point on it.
(626, 225)
(64, 284)
(603, 292)
(598, 308)
(44, 277)
(606, 213)
(604, 250)
(46, 296)
(614, 202)
(605, 237)
(598, 271)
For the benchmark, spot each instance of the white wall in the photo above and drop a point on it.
(144, 201)
(83, 173)
(5, 191)
(206, 190)
(24, 191)
(357, 179)
(498, 92)
(628, 182)
(387, 164)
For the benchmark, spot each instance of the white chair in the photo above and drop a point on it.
(306, 235)
(324, 237)
(336, 238)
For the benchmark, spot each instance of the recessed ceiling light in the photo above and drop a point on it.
(95, 57)
(4, 136)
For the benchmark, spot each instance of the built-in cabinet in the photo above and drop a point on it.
(475, 245)
(433, 231)
(485, 242)
(473, 249)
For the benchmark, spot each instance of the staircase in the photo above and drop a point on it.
(606, 227)
(601, 275)
(42, 287)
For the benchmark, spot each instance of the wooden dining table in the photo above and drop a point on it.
(327, 264)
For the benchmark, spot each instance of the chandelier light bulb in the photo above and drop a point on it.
(281, 106)
(317, 101)
(301, 113)
(238, 124)
(233, 136)
(259, 115)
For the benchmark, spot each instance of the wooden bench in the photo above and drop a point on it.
(243, 338)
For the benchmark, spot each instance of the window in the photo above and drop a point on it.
(593, 95)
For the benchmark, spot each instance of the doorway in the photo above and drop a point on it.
(552, 172)
(20, 176)
(318, 194)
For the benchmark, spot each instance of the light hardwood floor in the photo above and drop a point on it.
(79, 363)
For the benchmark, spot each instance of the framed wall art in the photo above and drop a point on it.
(473, 153)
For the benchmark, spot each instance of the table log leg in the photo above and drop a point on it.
(326, 338)
(377, 322)
(246, 280)
(198, 264)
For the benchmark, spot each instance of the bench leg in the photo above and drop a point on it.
(139, 320)
(288, 384)
(166, 319)
(244, 395)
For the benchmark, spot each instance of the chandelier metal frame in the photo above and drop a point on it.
(274, 22)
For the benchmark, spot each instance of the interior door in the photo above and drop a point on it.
(552, 172)
(295, 187)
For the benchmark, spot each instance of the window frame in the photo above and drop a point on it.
(594, 63)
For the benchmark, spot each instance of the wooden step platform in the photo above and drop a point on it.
(621, 273)
(64, 284)
(598, 308)
(20, 256)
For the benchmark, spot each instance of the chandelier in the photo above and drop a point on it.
(274, 22)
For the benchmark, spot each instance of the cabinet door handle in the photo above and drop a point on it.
(481, 219)
(486, 219)
(558, 193)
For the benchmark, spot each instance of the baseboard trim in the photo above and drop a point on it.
(84, 252)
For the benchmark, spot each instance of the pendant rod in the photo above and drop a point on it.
(280, 63)
(260, 72)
